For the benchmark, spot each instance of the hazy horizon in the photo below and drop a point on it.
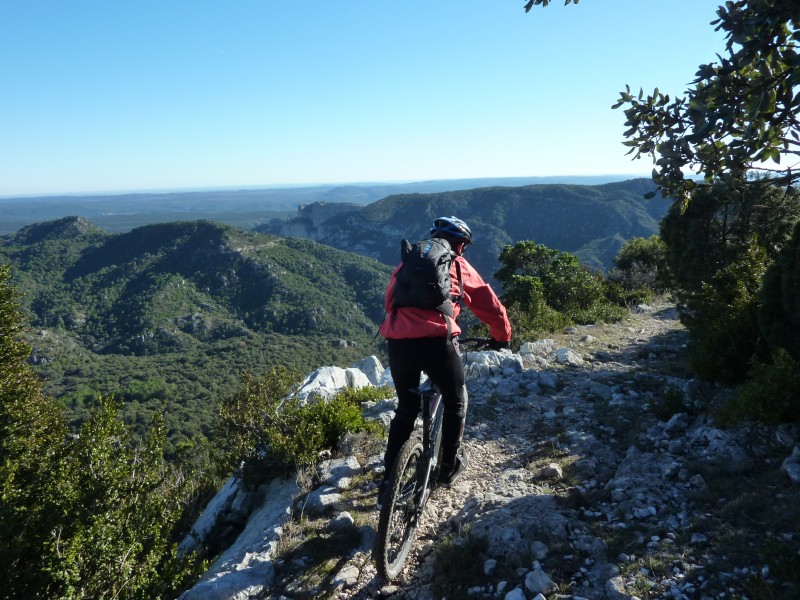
(332, 184)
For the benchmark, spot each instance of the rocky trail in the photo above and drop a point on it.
(595, 472)
(582, 491)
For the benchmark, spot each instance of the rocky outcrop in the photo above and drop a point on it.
(245, 569)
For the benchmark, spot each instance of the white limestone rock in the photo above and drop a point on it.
(372, 368)
(219, 505)
(543, 348)
(332, 471)
(565, 356)
(538, 582)
(325, 382)
(245, 569)
(791, 465)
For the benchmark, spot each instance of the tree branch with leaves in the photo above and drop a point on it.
(740, 116)
(531, 3)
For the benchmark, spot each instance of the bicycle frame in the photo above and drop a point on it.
(432, 414)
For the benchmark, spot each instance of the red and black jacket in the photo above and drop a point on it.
(410, 322)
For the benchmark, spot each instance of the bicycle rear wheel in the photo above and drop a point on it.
(398, 519)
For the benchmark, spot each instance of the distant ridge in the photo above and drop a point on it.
(592, 221)
(122, 211)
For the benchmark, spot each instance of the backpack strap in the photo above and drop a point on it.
(448, 308)
(460, 281)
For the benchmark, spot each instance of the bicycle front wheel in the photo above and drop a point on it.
(398, 520)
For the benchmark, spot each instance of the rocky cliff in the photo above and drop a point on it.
(596, 472)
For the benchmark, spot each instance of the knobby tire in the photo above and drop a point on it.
(397, 524)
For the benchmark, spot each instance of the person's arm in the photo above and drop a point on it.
(484, 303)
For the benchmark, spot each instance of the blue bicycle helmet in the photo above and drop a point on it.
(452, 227)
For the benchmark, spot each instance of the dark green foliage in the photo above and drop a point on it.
(167, 316)
(119, 506)
(771, 393)
(718, 226)
(32, 432)
(365, 394)
(88, 517)
(617, 292)
(531, 315)
(531, 3)
(779, 316)
(671, 401)
(718, 249)
(247, 413)
(723, 331)
(740, 117)
(641, 265)
(545, 289)
(268, 431)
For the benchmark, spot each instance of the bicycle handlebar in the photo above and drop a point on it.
(477, 342)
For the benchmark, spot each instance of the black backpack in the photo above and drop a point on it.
(424, 279)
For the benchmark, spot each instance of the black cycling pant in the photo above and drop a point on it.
(440, 359)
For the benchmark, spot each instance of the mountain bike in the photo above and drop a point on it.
(412, 479)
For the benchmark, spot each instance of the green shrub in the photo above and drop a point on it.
(648, 252)
(671, 402)
(545, 289)
(459, 562)
(641, 265)
(617, 292)
(718, 246)
(771, 393)
(366, 394)
(268, 429)
(723, 330)
(599, 312)
(248, 414)
(779, 315)
(120, 505)
(528, 310)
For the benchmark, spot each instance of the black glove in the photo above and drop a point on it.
(495, 345)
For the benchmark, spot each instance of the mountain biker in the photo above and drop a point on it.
(421, 340)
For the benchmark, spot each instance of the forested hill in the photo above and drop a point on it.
(592, 221)
(172, 313)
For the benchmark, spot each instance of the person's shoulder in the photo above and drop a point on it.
(467, 270)
(464, 263)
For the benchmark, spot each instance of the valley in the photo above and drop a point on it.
(167, 316)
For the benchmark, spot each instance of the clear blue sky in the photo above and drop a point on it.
(152, 94)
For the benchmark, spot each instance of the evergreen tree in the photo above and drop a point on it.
(89, 516)
(32, 434)
(779, 316)
(718, 248)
